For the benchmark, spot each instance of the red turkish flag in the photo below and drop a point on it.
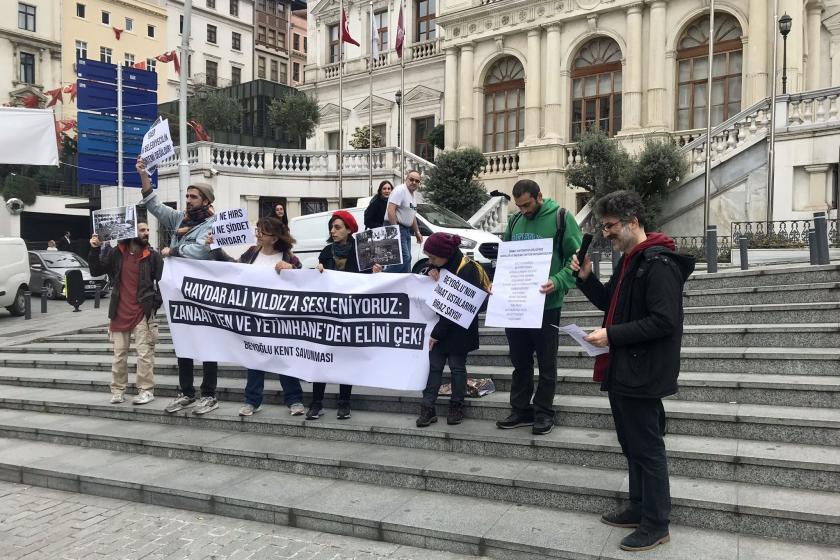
(117, 32)
(56, 96)
(170, 56)
(400, 40)
(66, 124)
(71, 89)
(200, 134)
(345, 33)
(140, 65)
(31, 102)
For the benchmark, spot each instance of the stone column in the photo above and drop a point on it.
(450, 99)
(656, 66)
(756, 52)
(632, 95)
(565, 93)
(532, 87)
(795, 44)
(553, 104)
(252, 205)
(293, 208)
(466, 116)
(834, 52)
(814, 13)
(819, 187)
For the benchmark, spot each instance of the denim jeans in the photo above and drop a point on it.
(638, 425)
(405, 242)
(186, 377)
(292, 391)
(458, 367)
(524, 343)
(318, 390)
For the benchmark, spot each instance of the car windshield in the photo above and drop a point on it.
(63, 260)
(441, 217)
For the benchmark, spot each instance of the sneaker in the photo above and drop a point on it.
(179, 402)
(625, 518)
(343, 412)
(542, 426)
(427, 417)
(514, 421)
(117, 397)
(456, 413)
(143, 397)
(315, 412)
(297, 409)
(205, 405)
(247, 409)
(640, 540)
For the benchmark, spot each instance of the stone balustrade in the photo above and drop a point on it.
(501, 163)
(491, 217)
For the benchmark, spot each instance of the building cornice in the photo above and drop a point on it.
(143, 7)
(32, 41)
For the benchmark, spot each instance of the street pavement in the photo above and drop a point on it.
(43, 524)
(59, 318)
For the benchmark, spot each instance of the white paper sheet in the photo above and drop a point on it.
(521, 269)
(577, 334)
(455, 299)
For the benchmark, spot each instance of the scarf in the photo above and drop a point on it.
(602, 362)
(192, 218)
(340, 255)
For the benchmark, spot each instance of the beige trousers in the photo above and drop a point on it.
(145, 337)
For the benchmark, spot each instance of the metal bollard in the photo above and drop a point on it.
(43, 299)
(821, 229)
(711, 249)
(812, 246)
(27, 304)
(595, 255)
(744, 245)
(96, 297)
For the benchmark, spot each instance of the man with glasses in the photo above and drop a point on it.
(539, 218)
(402, 211)
(189, 230)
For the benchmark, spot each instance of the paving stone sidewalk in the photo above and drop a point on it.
(42, 524)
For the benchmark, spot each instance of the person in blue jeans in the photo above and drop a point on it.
(274, 249)
(402, 211)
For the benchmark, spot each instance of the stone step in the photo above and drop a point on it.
(83, 418)
(409, 516)
(809, 335)
(765, 276)
(695, 501)
(810, 426)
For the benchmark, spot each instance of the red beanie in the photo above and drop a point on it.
(347, 218)
(442, 245)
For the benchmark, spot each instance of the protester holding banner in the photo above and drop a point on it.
(402, 211)
(375, 212)
(135, 269)
(449, 341)
(339, 255)
(274, 249)
(189, 231)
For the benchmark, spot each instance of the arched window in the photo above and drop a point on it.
(504, 105)
(693, 72)
(596, 87)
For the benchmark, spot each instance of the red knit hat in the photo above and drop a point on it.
(442, 245)
(347, 218)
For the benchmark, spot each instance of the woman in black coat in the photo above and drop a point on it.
(375, 213)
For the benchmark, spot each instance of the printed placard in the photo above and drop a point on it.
(230, 228)
(378, 246)
(521, 269)
(455, 299)
(115, 224)
(157, 145)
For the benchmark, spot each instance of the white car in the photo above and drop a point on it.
(14, 274)
(312, 234)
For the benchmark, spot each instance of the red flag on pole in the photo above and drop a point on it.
(31, 102)
(71, 89)
(140, 65)
(400, 41)
(200, 134)
(170, 56)
(117, 32)
(345, 33)
(56, 96)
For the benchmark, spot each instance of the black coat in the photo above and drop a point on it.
(151, 268)
(646, 332)
(328, 261)
(375, 212)
(452, 337)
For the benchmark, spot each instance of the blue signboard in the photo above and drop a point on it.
(105, 145)
(102, 170)
(96, 71)
(107, 125)
(137, 78)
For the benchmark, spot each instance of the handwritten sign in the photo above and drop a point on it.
(157, 145)
(232, 228)
(455, 299)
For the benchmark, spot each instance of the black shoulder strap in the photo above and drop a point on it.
(561, 231)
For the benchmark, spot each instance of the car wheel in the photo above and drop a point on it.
(51, 292)
(421, 264)
(18, 306)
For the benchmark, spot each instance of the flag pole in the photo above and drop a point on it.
(341, 105)
(402, 88)
(373, 38)
(184, 164)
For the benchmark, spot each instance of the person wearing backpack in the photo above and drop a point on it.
(449, 341)
(539, 218)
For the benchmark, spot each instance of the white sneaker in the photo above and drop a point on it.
(249, 409)
(178, 403)
(117, 397)
(143, 397)
(205, 405)
(297, 409)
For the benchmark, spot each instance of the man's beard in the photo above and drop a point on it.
(141, 241)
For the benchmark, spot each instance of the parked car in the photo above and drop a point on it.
(48, 268)
(14, 274)
(311, 233)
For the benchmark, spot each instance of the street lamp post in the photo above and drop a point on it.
(398, 99)
(784, 28)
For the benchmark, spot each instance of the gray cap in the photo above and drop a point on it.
(206, 189)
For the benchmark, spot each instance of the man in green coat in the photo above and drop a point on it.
(539, 218)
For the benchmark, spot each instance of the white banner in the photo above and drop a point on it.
(231, 227)
(521, 269)
(455, 299)
(27, 136)
(336, 327)
(157, 145)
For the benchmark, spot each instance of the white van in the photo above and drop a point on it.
(312, 234)
(14, 274)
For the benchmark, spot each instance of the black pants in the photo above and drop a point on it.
(523, 344)
(343, 393)
(208, 380)
(638, 424)
(458, 366)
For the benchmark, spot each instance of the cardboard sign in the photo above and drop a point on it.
(231, 227)
(157, 145)
(455, 299)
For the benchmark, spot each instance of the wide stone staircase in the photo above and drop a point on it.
(753, 440)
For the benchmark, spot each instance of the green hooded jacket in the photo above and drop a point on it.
(544, 225)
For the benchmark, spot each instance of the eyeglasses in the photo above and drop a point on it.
(606, 226)
(260, 233)
(413, 180)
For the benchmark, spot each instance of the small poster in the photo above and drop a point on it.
(455, 299)
(157, 145)
(231, 227)
(521, 269)
(378, 246)
(115, 224)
